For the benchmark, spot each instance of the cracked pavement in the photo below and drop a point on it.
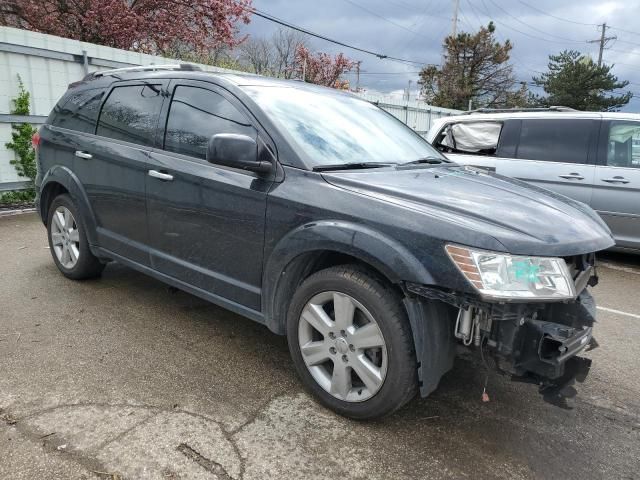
(120, 378)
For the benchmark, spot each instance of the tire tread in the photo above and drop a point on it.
(397, 321)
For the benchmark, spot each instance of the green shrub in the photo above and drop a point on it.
(17, 197)
(25, 161)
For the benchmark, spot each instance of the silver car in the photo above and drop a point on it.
(591, 157)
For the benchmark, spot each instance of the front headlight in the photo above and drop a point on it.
(511, 277)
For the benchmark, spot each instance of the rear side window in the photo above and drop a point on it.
(195, 115)
(80, 111)
(130, 113)
(555, 140)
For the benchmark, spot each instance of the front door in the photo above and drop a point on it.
(616, 193)
(473, 143)
(206, 222)
(557, 154)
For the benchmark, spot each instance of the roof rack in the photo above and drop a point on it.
(146, 68)
(553, 108)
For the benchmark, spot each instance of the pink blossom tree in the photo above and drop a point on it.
(321, 68)
(148, 26)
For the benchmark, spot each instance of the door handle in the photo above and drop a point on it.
(615, 180)
(84, 155)
(162, 176)
(572, 176)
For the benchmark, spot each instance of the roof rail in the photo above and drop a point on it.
(553, 108)
(144, 68)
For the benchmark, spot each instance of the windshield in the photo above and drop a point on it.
(330, 129)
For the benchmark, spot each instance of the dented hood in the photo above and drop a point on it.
(525, 219)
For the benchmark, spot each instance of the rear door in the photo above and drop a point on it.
(206, 222)
(616, 192)
(112, 165)
(554, 153)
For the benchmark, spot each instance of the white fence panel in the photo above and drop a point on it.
(417, 115)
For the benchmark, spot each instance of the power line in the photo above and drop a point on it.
(375, 14)
(535, 37)
(556, 17)
(576, 22)
(625, 31)
(284, 23)
(421, 18)
(534, 28)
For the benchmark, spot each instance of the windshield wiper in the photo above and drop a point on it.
(428, 160)
(351, 166)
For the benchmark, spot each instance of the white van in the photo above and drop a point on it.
(592, 157)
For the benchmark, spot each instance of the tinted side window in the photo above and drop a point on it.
(509, 139)
(80, 111)
(130, 113)
(555, 140)
(197, 114)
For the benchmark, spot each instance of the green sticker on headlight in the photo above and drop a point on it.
(525, 270)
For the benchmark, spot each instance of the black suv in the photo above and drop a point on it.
(323, 217)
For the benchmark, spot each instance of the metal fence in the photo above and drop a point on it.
(417, 115)
(48, 64)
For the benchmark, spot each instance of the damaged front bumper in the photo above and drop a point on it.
(536, 342)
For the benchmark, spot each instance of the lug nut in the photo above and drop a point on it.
(352, 348)
(332, 335)
(332, 350)
(345, 359)
(342, 332)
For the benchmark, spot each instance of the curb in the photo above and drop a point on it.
(8, 213)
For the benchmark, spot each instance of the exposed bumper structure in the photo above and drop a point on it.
(533, 342)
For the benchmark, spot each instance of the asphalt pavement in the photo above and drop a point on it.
(120, 377)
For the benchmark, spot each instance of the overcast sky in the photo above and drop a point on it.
(414, 30)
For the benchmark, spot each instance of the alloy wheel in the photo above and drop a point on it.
(342, 346)
(65, 237)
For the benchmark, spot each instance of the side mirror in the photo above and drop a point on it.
(237, 151)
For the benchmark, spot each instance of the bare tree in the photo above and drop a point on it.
(285, 44)
(273, 56)
(257, 54)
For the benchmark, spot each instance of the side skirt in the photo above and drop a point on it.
(179, 284)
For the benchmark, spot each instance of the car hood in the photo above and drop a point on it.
(525, 219)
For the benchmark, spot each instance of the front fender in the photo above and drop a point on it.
(384, 254)
(62, 175)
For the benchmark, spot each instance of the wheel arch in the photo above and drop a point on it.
(59, 180)
(319, 245)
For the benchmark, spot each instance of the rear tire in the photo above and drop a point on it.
(351, 343)
(68, 241)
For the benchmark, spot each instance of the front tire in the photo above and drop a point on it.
(351, 343)
(68, 241)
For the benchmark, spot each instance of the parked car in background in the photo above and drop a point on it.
(324, 218)
(590, 157)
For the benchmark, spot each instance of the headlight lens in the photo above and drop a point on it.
(511, 277)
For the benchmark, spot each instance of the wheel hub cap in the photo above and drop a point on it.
(342, 346)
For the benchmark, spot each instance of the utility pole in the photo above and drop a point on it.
(603, 40)
(454, 20)
(358, 75)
